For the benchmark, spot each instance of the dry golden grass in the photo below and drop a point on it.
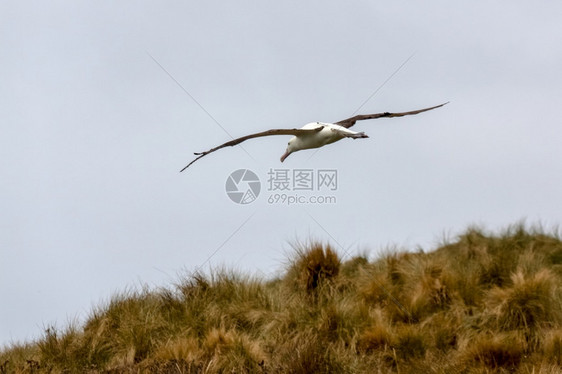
(481, 304)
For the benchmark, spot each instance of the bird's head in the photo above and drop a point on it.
(291, 147)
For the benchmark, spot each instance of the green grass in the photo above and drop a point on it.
(482, 303)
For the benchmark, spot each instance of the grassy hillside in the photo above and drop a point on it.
(481, 304)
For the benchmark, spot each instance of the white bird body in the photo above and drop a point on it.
(328, 133)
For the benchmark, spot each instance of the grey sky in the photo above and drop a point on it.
(94, 133)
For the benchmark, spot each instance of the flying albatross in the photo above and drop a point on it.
(314, 134)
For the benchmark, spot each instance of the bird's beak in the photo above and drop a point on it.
(285, 155)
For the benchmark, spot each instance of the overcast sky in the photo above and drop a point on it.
(102, 105)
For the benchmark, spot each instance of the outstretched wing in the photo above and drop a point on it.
(233, 142)
(347, 123)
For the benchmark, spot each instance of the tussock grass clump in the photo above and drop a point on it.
(306, 353)
(314, 266)
(375, 338)
(410, 342)
(496, 351)
(529, 303)
(481, 304)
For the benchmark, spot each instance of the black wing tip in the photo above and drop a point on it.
(434, 107)
(188, 165)
(199, 155)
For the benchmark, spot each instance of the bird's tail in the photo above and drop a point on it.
(360, 135)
